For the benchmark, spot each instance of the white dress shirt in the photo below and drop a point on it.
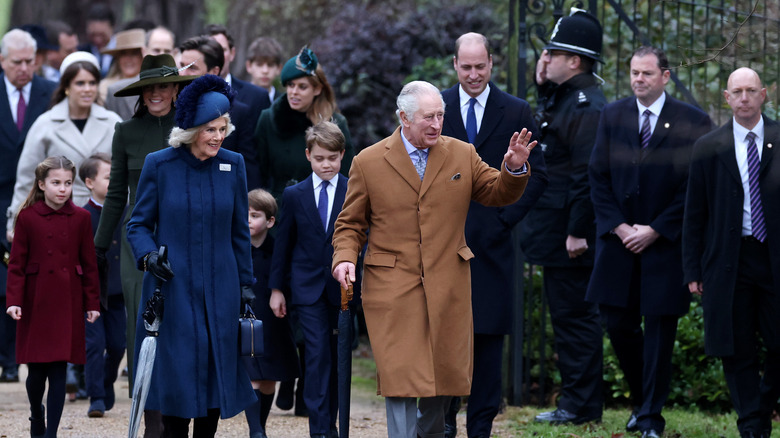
(317, 183)
(655, 108)
(740, 148)
(479, 107)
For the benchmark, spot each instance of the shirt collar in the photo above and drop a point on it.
(229, 79)
(11, 89)
(740, 132)
(654, 107)
(316, 180)
(409, 147)
(482, 98)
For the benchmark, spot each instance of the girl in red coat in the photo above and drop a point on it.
(52, 282)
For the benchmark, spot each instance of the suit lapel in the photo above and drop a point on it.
(6, 116)
(399, 160)
(37, 105)
(309, 204)
(338, 202)
(455, 120)
(662, 126)
(771, 141)
(726, 152)
(437, 156)
(492, 117)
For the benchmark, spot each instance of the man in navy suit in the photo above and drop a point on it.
(497, 115)
(731, 250)
(638, 175)
(256, 98)
(302, 253)
(204, 55)
(23, 97)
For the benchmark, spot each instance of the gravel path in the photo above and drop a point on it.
(367, 417)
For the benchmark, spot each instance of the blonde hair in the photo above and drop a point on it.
(180, 136)
(41, 172)
(324, 104)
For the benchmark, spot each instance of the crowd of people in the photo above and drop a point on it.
(133, 165)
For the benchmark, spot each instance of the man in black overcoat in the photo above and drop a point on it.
(638, 176)
(558, 231)
(496, 116)
(731, 250)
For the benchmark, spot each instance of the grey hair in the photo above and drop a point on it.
(408, 101)
(180, 136)
(159, 29)
(17, 39)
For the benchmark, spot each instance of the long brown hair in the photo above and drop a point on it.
(67, 77)
(41, 172)
(324, 105)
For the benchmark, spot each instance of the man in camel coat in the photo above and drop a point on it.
(413, 191)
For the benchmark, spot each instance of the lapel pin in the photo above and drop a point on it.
(769, 145)
(666, 125)
(455, 177)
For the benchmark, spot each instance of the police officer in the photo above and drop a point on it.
(558, 232)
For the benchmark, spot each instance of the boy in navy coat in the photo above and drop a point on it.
(106, 337)
(301, 267)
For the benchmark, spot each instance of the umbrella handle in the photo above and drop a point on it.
(346, 297)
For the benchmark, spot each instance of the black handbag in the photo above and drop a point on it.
(250, 334)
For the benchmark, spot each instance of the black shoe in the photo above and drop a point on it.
(562, 416)
(38, 425)
(319, 435)
(300, 407)
(110, 397)
(451, 418)
(285, 396)
(450, 431)
(631, 425)
(651, 434)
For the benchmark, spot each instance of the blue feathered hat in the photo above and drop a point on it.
(303, 64)
(202, 101)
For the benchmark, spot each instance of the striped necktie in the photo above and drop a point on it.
(756, 208)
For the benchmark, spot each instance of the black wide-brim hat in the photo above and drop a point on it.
(155, 69)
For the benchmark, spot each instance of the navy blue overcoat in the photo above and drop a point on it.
(199, 209)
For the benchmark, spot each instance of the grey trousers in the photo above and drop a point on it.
(408, 418)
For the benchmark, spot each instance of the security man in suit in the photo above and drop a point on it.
(477, 112)
(638, 176)
(731, 250)
(27, 96)
(558, 232)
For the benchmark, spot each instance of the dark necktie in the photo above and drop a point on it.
(322, 205)
(422, 161)
(21, 109)
(756, 209)
(471, 121)
(644, 133)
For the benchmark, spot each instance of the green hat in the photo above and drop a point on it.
(303, 64)
(155, 69)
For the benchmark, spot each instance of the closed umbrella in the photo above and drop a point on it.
(152, 316)
(344, 361)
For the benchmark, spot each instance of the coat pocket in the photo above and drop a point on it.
(380, 259)
(465, 253)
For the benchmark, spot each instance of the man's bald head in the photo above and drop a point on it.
(745, 95)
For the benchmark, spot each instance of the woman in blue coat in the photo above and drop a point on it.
(192, 197)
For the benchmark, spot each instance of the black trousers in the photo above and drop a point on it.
(204, 427)
(485, 398)
(578, 340)
(754, 312)
(645, 358)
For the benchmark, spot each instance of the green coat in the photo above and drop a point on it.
(281, 145)
(134, 139)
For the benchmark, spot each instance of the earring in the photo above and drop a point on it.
(67, 92)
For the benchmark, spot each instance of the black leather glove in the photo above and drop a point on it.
(161, 271)
(247, 296)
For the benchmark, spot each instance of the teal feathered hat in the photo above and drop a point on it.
(300, 65)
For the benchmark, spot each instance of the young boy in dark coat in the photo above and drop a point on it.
(280, 359)
(303, 253)
(106, 340)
